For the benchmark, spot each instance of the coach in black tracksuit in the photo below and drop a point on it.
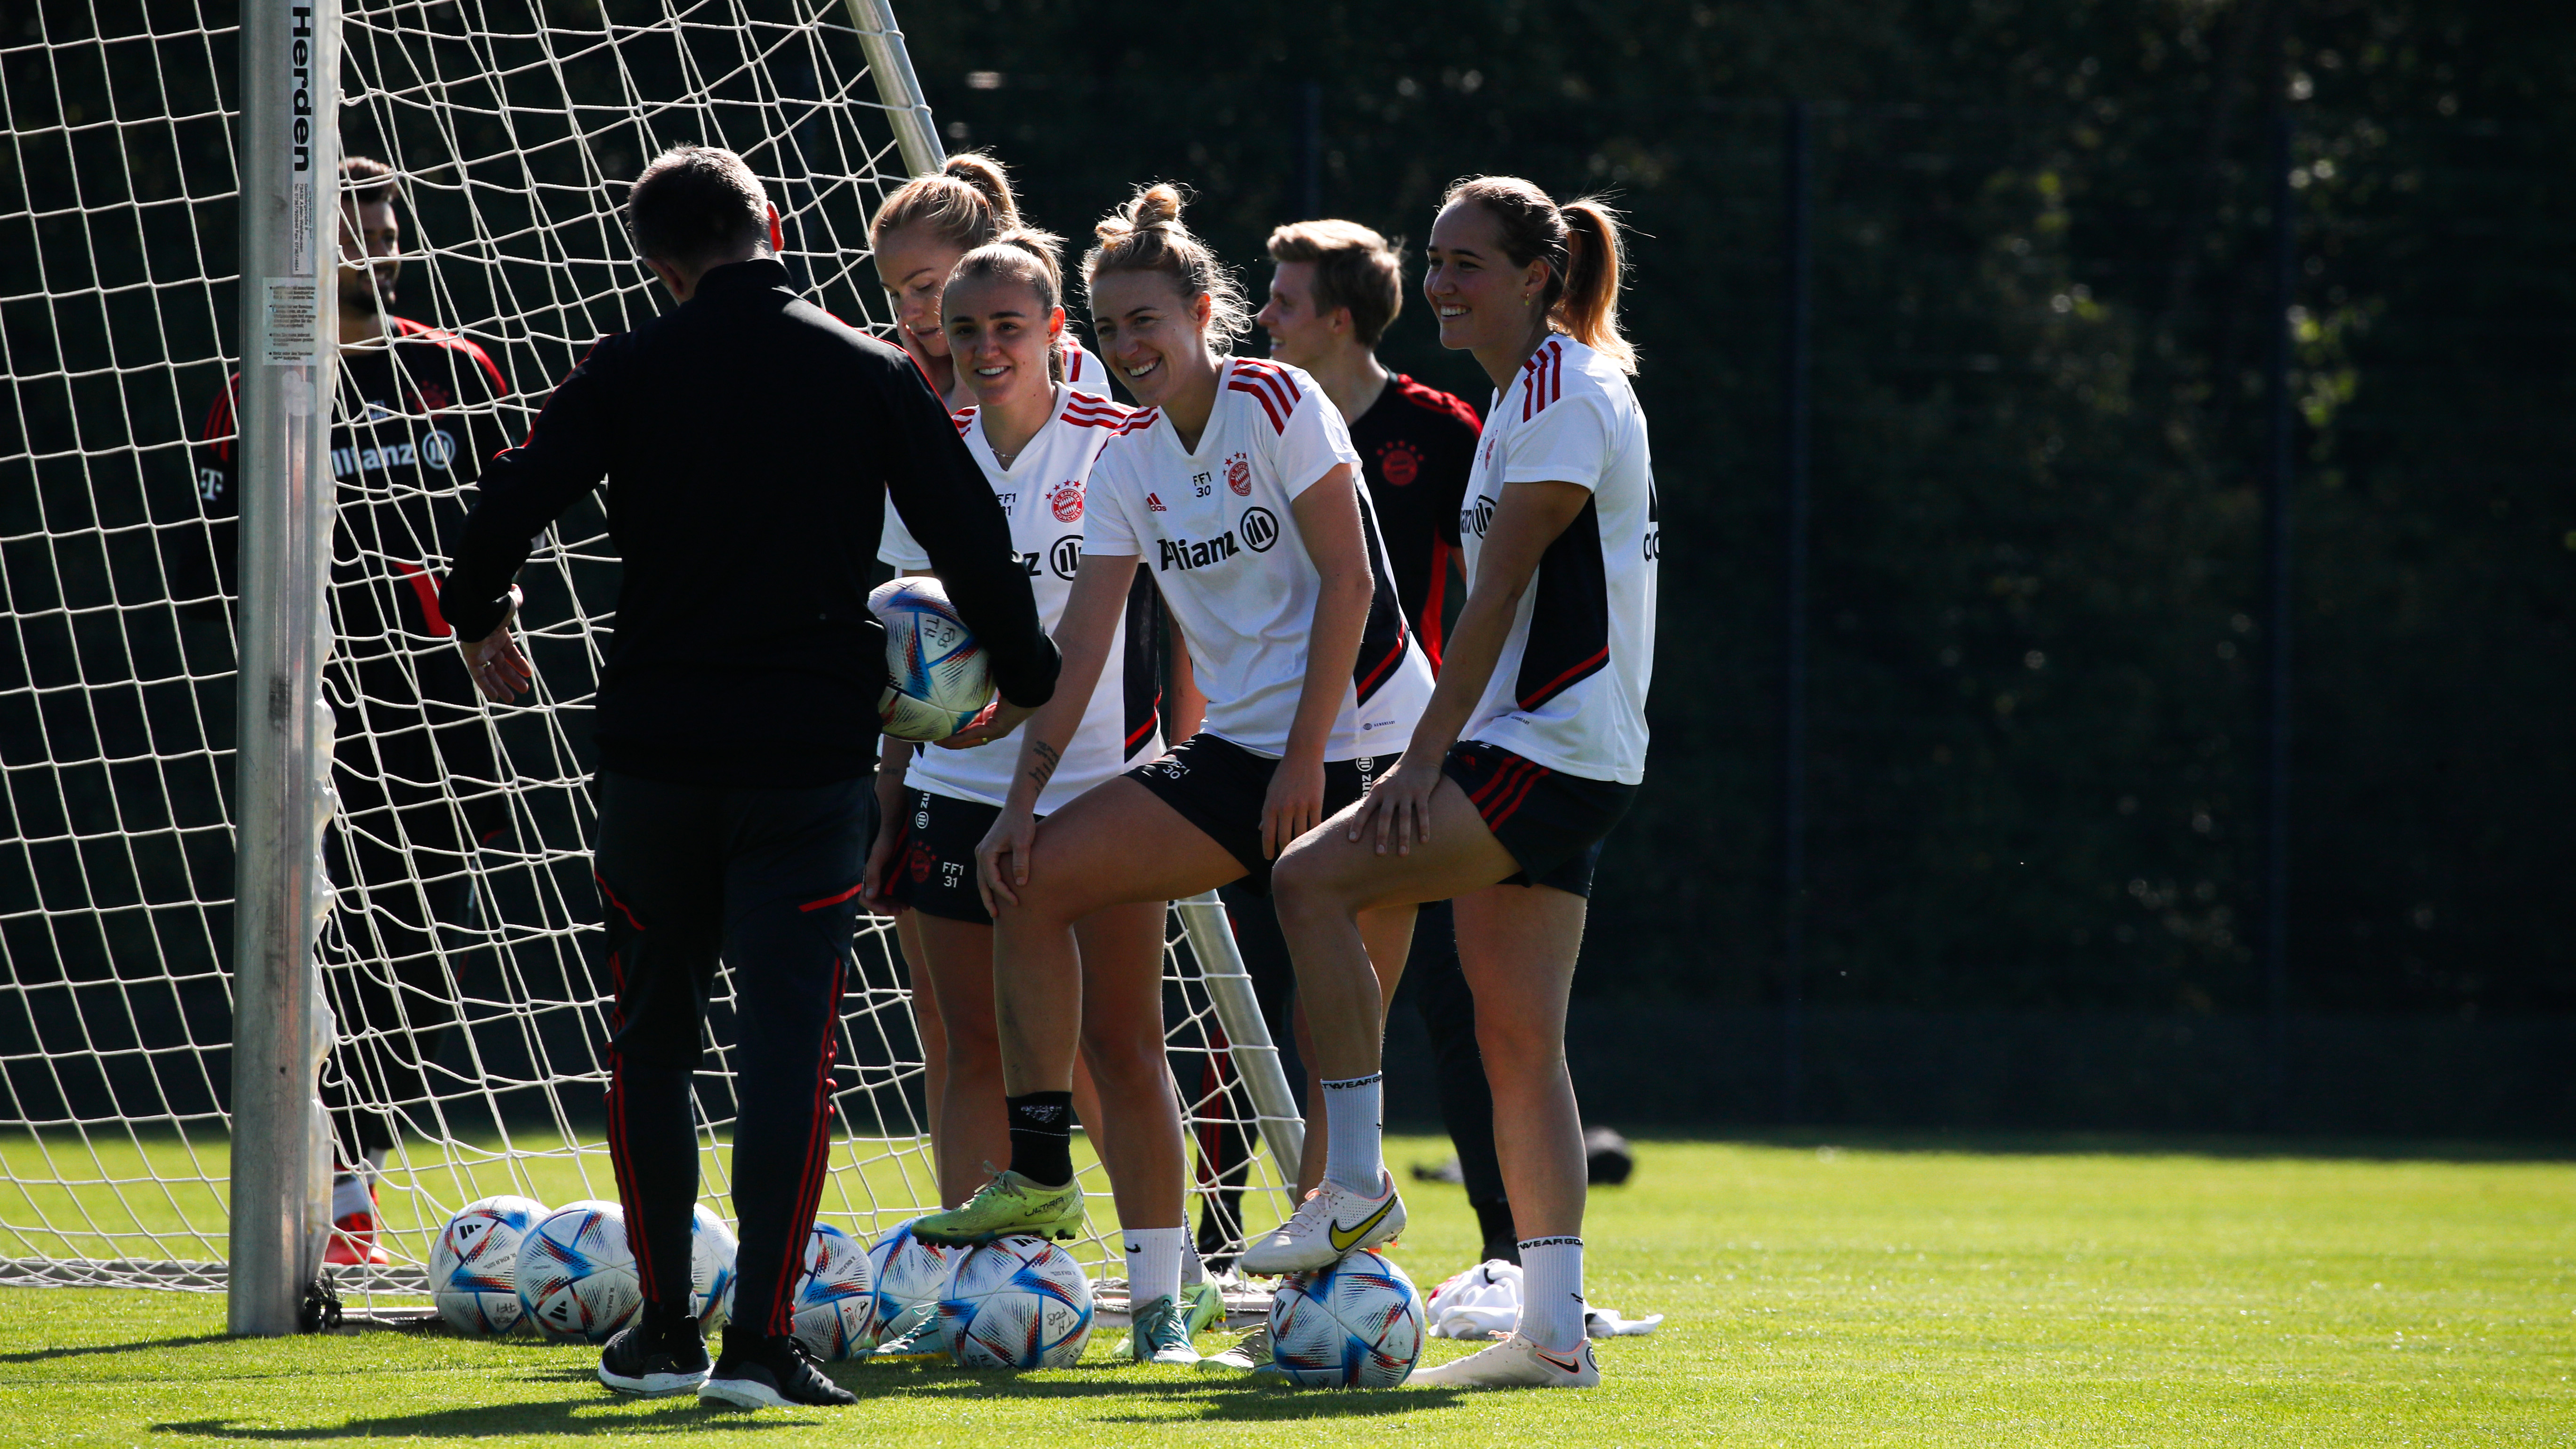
(749, 441)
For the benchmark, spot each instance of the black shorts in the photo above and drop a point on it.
(934, 856)
(1552, 823)
(1220, 787)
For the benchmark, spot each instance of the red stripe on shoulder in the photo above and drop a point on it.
(964, 418)
(1433, 400)
(1269, 401)
(1138, 421)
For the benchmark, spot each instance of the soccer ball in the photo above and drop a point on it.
(711, 1266)
(910, 1276)
(1019, 1303)
(833, 1301)
(576, 1275)
(474, 1265)
(937, 678)
(1356, 1324)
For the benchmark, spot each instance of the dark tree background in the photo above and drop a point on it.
(2040, 245)
(2042, 310)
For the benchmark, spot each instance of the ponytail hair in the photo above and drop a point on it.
(966, 203)
(1584, 246)
(1146, 235)
(1030, 257)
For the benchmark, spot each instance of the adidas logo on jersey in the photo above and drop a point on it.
(1183, 554)
(1154, 504)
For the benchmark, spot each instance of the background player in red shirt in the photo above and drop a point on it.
(417, 415)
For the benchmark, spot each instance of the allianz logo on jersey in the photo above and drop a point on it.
(1259, 527)
(1477, 516)
(434, 450)
(1063, 559)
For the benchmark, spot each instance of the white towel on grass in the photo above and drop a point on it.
(1485, 1302)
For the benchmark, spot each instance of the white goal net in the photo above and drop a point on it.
(458, 956)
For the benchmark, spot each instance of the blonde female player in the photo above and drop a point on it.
(1238, 485)
(1530, 750)
(1036, 440)
(918, 235)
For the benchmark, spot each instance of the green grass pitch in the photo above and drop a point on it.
(1910, 1291)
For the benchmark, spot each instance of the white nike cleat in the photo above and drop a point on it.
(1332, 1223)
(1516, 1363)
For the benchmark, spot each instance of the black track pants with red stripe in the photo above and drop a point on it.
(766, 879)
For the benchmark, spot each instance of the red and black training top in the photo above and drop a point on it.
(1416, 445)
(750, 442)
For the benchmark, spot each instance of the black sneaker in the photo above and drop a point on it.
(653, 1359)
(769, 1373)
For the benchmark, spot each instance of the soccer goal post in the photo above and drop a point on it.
(272, 895)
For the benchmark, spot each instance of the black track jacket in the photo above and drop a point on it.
(750, 441)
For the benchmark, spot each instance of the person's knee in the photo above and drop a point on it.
(1125, 1061)
(1515, 1046)
(1306, 885)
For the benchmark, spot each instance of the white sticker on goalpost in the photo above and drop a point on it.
(292, 310)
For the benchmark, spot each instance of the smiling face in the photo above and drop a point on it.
(914, 266)
(1000, 333)
(1298, 335)
(1155, 337)
(1479, 297)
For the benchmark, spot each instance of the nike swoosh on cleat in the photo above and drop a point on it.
(1343, 1237)
(1573, 1366)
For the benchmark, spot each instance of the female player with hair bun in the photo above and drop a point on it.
(919, 233)
(1237, 484)
(1036, 440)
(1531, 748)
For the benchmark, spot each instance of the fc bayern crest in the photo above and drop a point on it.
(1399, 464)
(1065, 499)
(1238, 474)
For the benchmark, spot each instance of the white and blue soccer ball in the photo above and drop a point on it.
(474, 1264)
(833, 1299)
(937, 678)
(712, 1251)
(1019, 1303)
(910, 1276)
(576, 1274)
(1357, 1324)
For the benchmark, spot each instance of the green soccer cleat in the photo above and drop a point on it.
(1162, 1334)
(1009, 1206)
(1250, 1356)
(1206, 1304)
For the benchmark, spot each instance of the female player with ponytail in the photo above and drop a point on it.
(1036, 440)
(918, 235)
(1238, 485)
(1530, 750)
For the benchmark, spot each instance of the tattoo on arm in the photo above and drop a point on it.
(1047, 759)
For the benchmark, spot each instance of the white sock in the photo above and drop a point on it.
(1353, 1144)
(1153, 1264)
(349, 1193)
(1552, 1293)
(1193, 1272)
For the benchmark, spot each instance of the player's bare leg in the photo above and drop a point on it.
(1324, 885)
(1084, 858)
(1388, 936)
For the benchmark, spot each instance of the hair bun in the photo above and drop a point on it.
(990, 181)
(1157, 205)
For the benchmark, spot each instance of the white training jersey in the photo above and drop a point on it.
(1084, 372)
(1214, 530)
(1042, 493)
(1570, 688)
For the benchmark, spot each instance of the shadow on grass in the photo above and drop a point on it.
(1999, 1142)
(144, 1345)
(1206, 1400)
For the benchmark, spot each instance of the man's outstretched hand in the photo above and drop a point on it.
(500, 670)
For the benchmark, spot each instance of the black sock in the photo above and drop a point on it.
(1494, 1220)
(1042, 1137)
